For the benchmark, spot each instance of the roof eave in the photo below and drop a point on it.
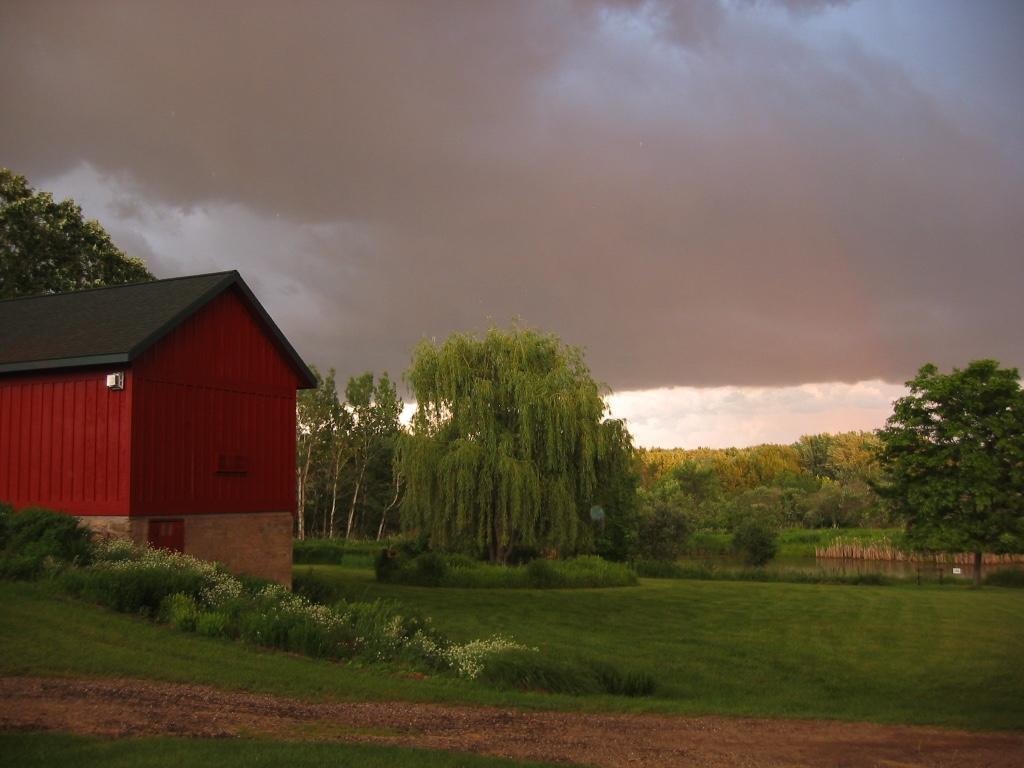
(64, 362)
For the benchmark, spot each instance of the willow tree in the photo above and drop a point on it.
(504, 446)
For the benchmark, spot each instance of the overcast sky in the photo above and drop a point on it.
(757, 217)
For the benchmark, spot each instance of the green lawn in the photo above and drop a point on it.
(29, 750)
(948, 656)
(909, 654)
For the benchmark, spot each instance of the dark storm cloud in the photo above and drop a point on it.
(699, 193)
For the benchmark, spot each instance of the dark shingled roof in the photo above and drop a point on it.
(114, 324)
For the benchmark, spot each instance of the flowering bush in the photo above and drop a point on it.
(469, 660)
(197, 596)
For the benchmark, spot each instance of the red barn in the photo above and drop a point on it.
(160, 411)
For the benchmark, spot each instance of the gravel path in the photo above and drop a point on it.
(119, 708)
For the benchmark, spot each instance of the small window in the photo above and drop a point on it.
(232, 464)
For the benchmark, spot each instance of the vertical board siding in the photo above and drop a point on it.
(216, 385)
(64, 442)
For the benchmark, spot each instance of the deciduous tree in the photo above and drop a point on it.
(48, 247)
(953, 454)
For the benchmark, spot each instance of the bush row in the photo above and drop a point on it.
(433, 569)
(335, 552)
(656, 569)
(198, 596)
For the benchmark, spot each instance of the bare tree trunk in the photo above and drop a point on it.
(334, 504)
(355, 498)
(334, 501)
(389, 507)
(301, 501)
(303, 479)
(977, 569)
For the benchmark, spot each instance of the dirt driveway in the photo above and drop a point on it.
(115, 707)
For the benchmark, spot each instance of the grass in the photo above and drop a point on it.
(42, 634)
(899, 654)
(948, 656)
(42, 749)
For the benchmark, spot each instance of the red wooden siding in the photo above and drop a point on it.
(214, 423)
(65, 442)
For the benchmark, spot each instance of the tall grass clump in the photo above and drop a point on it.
(888, 549)
(530, 671)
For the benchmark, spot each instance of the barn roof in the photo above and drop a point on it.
(115, 324)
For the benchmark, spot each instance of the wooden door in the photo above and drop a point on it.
(167, 534)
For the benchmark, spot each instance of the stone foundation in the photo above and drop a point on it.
(256, 544)
(111, 527)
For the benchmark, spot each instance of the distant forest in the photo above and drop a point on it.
(820, 481)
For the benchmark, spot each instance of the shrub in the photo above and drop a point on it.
(541, 574)
(212, 624)
(6, 510)
(133, 589)
(318, 551)
(521, 554)
(137, 580)
(20, 567)
(664, 529)
(756, 540)
(40, 533)
(388, 563)
(428, 569)
(314, 587)
(180, 611)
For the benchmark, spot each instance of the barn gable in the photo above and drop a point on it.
(214, 424)
(117, 324)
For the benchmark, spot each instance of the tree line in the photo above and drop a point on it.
(824, 480)
(346, 483)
